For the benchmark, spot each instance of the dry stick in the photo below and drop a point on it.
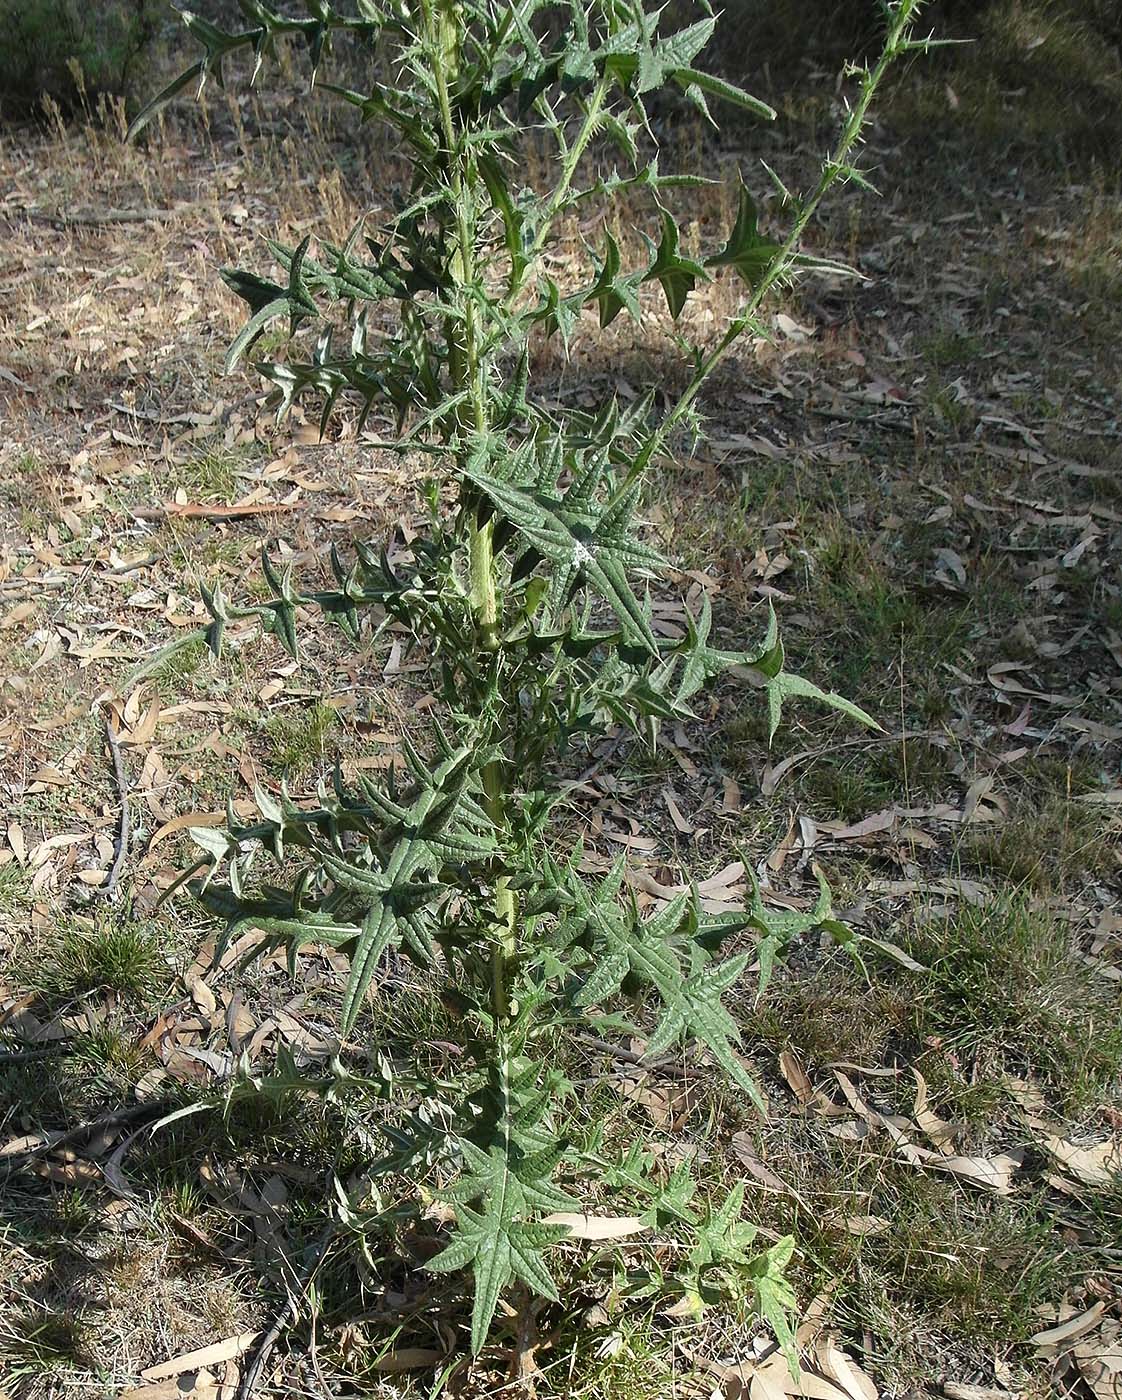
(32, 585)
(146, 415)
(118, 1119)
(43, 1052)
(124, 834)
(666, 1064)
(120, 570)
(194, 510)
(107, 216)
(125, 830)
(286, 1315)
(523, 1369)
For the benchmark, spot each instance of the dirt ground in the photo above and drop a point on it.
(921, 469)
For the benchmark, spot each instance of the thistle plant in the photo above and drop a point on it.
(529, 599)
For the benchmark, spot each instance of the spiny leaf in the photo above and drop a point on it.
(498, 1237)
(746, 250)
(694, 1008)
(612, 291)
(579, 538)
(161, 100)
(702, 662)
(775, 1298)
(677, 275)
(697, 85)
(755, 257)
(379, 930)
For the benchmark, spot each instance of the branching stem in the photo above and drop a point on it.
(573, 155)
(833, 168)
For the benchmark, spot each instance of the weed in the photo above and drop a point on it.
(13, 887)
(950, 347)
(186, 1199)
(951, 1271)
(102, 955)
(876, 624)
(27, 464)
(508, 599)
(625, 1363)
(1049, 775)
(73, 1211)
(1007, 992)
(868, 778)
(211, 476)
(826, 1015)
(949, 405)
(33, 1347)
(110, 1055)
(56, 49)
(180, 664)
(1047, 842)
(1039, 82)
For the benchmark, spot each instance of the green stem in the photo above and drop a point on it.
(482, 569)
(469, 372)
(896, 42)
(592, 114)
(572, 159)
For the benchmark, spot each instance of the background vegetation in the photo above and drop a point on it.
(1032, 75)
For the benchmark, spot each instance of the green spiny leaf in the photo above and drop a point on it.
(677, 275)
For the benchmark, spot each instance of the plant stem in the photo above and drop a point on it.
(469, 372)
(569, 168)
(467, 362)
(572, 158)
(896, 42)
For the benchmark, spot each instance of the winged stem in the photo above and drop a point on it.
(834, 167)
(469, 372)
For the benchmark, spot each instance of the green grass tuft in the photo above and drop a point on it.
(1049, 842)
(1008, 993)
(211, 476)
(107, 956)
(298, 738)
(32, 1348)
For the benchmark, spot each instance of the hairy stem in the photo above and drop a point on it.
(468, 365)
(587, 130)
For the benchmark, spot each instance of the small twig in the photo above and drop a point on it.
(105, 216)
(665, 1064)
(42, 1052)
(118, 1119)
(877, 420)
(524, 1370)
(191, 420)
(74, 587)
(285, 1316)
(148, 415)
(201, 511)
(124, 833)
(120, 570)
(32, 585)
